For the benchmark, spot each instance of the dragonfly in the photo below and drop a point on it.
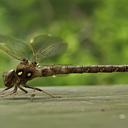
(30, 53)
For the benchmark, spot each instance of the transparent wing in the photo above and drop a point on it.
(45, 46)
(16, 48)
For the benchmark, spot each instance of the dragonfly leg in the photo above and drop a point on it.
(7, 88)
(23, 89)
(14, 90)
(38, 89)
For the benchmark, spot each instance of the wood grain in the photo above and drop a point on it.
(78, 107)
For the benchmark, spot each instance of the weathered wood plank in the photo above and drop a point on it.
(79, 107)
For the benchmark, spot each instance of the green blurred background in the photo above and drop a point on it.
(96, 32)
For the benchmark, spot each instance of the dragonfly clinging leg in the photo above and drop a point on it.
(38, 89)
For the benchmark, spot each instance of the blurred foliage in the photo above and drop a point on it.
(96, 32)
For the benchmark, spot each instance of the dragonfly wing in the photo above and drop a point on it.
(16, 48)
(45, 46)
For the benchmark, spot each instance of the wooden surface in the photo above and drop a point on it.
(79, 107)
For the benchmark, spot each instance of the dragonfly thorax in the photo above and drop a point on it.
(26, 70)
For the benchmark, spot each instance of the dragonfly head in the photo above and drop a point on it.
(9, 78)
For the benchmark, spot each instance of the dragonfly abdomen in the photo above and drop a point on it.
(54, 70)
